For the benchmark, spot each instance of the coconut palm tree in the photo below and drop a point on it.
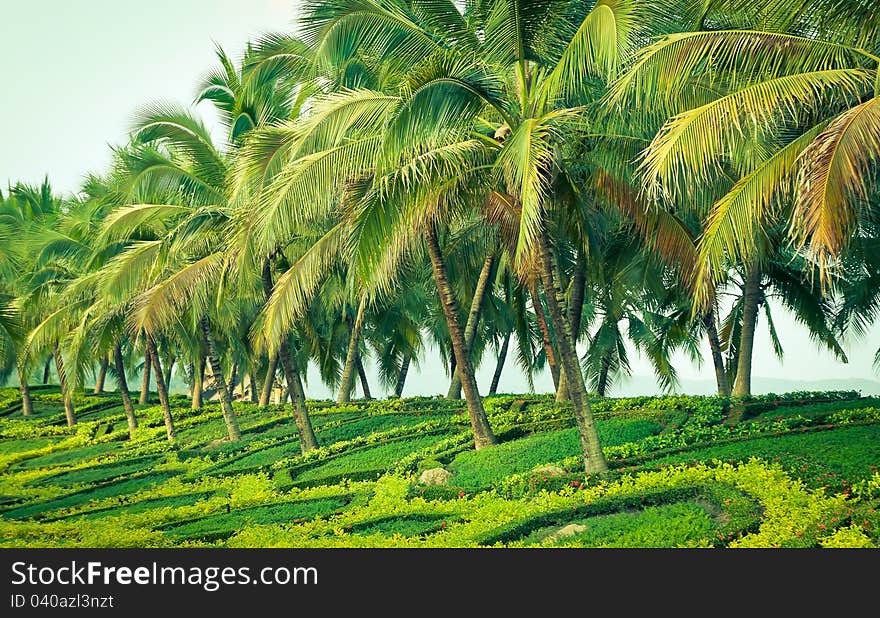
(788, 110)
(493, 90)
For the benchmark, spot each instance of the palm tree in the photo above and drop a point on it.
(789, 111)
(498, 85)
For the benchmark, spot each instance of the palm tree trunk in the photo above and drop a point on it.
(233, 379)
(401, 376)
(121, 382)
(160, 388)
(145, 385)
(717, 356)
(499, 366)
(102, 376)
(269, 382)
(575, 314)
(198, 382)
(483, 435)
(594, 459)
(169, 370)
(348, 371)
(362, 374)
(217, 372)
(307, 439)
(27, 405)
(545, 332)
(602, 384)
(751, 299)
(46, 370)
(470, 329)
(255, 394)
(66, 395)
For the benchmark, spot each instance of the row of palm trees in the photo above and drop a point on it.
(469, 177)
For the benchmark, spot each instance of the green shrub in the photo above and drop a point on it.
(143, 506)
(364, 461)
(222, 525)
(61, 458)
(479, 469)
(669, 525)
(102, 472)
(835, 459)
(84, 496)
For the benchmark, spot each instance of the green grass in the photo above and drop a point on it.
(368, 425)
(102, 472)
(222, 525)
(667, 525)
(265, 457)
(142, 506)
(818, 409)
(407, 525)
(17, 446)
(848, 453)
(81, 454)
(365, 461)
(111, 486)
(79, 498)
(479, 469)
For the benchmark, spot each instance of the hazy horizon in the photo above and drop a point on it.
(76, 72)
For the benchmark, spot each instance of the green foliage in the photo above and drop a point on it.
(829, 459)
(225, 524)
(364, 462)
(670, 525)
(816, 486)
(481, 469)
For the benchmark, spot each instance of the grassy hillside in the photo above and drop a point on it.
(795, 470)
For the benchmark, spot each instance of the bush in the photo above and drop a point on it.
(364, 462)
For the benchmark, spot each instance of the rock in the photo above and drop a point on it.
(549, 471)
(565, 532)
(435, 476)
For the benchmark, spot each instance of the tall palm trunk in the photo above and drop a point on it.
(217, 373)
(233, 379)
(255, 394)
(102, 376)
(362, 374)
(717, 356)
(401, 376)
(169, 370)
(575, 314)
(545, 332)
(499, 366)
(483, 435)
(27, 405)
(46, 369)
(198, 382)
(470, 329)
(307, 439)
(269, 381)
(66, 395)
(145, 385)
(751, 299)
(350, 368)
(121, 382)
(160, 388)
(602, 384)
(594, 459)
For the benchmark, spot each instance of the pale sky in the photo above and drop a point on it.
(74, 72)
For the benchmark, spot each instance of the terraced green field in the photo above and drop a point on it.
(793, 471)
